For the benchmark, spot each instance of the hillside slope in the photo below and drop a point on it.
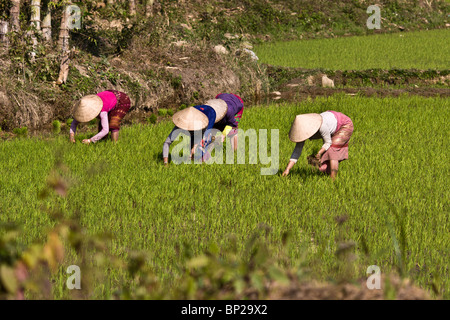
(167, 60)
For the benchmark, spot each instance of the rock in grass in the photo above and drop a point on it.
(180, 43)
(220, 49)
(310, 80)
(327, 82)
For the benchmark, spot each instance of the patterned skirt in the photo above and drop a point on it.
(339, 144)
(116, 115)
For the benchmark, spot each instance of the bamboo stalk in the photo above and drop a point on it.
(36, 14)
(47, 27)
(63, 41)
(63, 45)
(15, 12)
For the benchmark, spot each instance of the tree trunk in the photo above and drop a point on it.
(149, 8)
(4, 32)
(15, 12)
(63, 45)
(47, 27)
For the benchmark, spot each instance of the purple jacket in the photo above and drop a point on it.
(235, 105)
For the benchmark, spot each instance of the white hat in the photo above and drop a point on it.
(190, 119)
(87, 108)
(305, 126)
(220, 106)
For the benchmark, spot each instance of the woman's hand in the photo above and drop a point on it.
(288, 168)
(86, 141)
(72, 138)
(193, 150)
(319, 154)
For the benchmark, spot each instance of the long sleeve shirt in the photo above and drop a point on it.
(109, 102)
(196, 137)
(326, 130)
(105, 127)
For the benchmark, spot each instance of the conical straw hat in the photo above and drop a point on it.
(305, 126)
(87, 108)
(220, 106)
(190, 119)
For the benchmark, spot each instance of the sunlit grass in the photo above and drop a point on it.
(397, 175)
(404, 50)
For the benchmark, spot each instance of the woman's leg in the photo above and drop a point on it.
(334, 166)
(115, 136)
(234, 142)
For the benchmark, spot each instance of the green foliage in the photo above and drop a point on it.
(298, 19)
(56, 126)
(170, 112)
(69, 122)
(162, 112)
(152, 119)
(176, 82)
(76, 82)
(5, 6)
(21, 132)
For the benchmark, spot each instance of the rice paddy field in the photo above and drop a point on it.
(391, 198)
(410, 50)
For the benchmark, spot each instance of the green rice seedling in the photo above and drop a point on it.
(162, 112)
(56, 126)
(392, 191)
(21, 132)
(152, 119)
